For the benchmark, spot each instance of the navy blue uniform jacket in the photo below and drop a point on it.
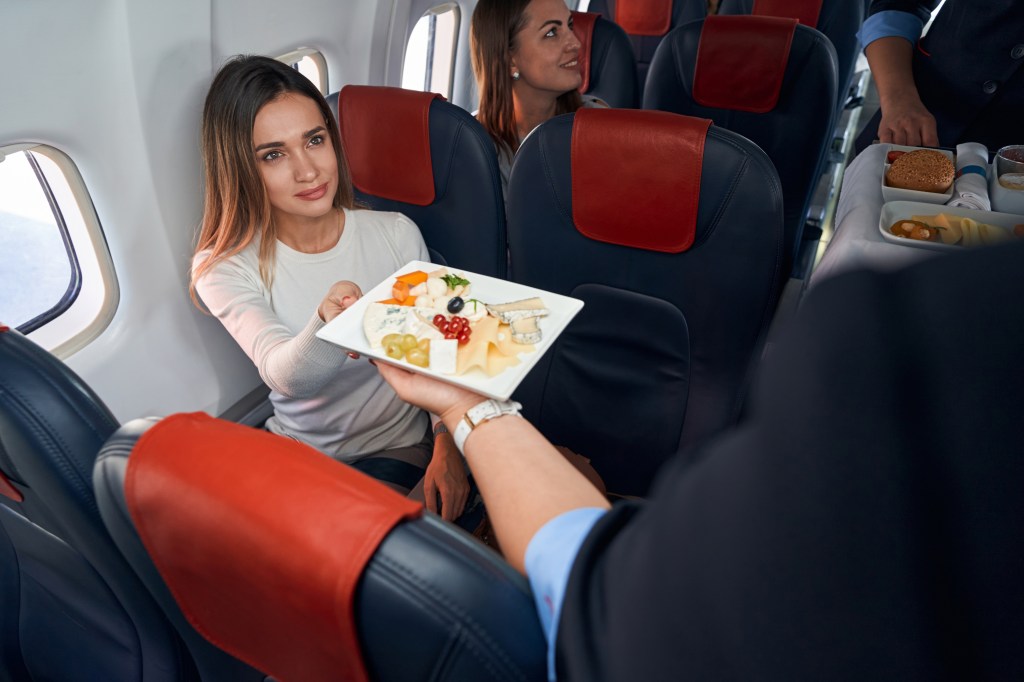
(864, 522)
(969, 70)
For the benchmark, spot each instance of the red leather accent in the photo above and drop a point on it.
(741, 61)
(636, 177)
(7, 488)
(644, 17)
(386, 136)
(261, 539)
(805, 11)
(583, 27)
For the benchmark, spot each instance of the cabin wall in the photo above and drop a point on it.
(118, 85)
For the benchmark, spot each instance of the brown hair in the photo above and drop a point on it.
(236, 208)
(492, 36)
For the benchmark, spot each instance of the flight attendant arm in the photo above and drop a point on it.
(522, 477)
(889, 35)
(905, 119)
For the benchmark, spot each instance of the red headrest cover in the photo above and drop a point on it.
(261, 539)
(805, 11)
(636, 177)
(386, 136)
(644, 17)
(741, 61)
(583, 27)
(7, 488)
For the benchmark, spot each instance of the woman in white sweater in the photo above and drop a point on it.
(282, 250)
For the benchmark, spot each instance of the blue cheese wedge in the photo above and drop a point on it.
(382, 319)
(525, 330)
(443, 355)
(419, 324)
(516, 310)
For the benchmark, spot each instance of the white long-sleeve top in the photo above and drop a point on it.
(320, 396)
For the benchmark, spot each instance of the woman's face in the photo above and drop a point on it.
(295, 157)
(545, 51)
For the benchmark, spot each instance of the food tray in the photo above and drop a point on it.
(903, 210)
(897, 194)
(346, 330)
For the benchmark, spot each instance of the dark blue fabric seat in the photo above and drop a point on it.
(645, 44)
(657, 360)
(417, 154)
(606, 61)
(432, 603)
(71, 608)
(795, 132)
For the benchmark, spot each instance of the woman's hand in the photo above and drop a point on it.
(446, 475)
(339, 297)
(447, 401)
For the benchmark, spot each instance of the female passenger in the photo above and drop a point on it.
(526, 61)
(282, 250)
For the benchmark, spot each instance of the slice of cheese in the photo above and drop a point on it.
(382, 319)
(950, 231)
(443, 354)
(507, 312)
(419, 324)
(525, 330)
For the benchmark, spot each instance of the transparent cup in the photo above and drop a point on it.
(1006, 187)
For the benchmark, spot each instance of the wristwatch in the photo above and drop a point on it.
(480, 413)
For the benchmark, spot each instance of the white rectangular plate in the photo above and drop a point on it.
(897, 194)
(346, 330)
(903, 210)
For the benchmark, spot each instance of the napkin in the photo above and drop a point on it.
(970, 190)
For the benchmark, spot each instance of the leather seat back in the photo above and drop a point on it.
(673, 240)
(606, 61)
(794, 130)
(838, 20)
(417, 154)
(72, 608)
(309, 570)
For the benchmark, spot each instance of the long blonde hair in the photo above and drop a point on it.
(236, 208)
(492, 36)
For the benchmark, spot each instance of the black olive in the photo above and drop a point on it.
(456, 304)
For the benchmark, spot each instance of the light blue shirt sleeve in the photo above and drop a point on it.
(890, 23)
(549, 559)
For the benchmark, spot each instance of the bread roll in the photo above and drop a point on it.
(924, 170)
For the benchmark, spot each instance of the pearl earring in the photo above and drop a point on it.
(515, 75)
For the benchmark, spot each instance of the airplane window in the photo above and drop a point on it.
(430, 54)
(56, 278)
(310, 63)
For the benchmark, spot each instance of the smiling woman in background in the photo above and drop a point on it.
(280, 231)
(526, 61)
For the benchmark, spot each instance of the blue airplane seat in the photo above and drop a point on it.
(322, 573)
(838, 20)
(768, 79)
(670, 232)
(646, 22)
(606, 61)
(71, 608)
(415, 153)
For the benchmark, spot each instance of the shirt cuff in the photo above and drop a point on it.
(890, 23)
(549, 559)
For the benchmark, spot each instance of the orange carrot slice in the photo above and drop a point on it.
(413, 278)
(400, 290)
